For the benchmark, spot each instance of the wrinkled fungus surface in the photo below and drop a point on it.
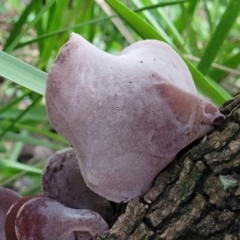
(45, 219)
(7, 198)
(63, 181)
(126, 116)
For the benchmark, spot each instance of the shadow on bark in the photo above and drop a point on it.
(195, 197)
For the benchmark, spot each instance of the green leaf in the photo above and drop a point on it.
(17, 148)
(232, 62)
(14, 102)
(33, 141)
(29, 25)
(93, 21)
(19, 166)
(219, 35)
(136, 22)
(62, 30)
(17, 27)
(34, 129)
(37, 114)
(20, 116)
(22, 73)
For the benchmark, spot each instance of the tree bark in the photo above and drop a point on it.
(195, 197)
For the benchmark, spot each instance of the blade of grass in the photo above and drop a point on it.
(19, 166)
(219, 35)
(37, 114)
(184, 20)
(22, 73)
(29, 25)
(54, 21)
(161, 4)
(13, 174)
(215, 65)
(185, 27)
(20, 116)
(157, 28)
(34, 129)
(39, 26)
(232, 62)
(93, 21)
(33, 141)
(52, 34)
(208, 15)
(17, 27)
(15, 101)
(136, 22)
(175, 33)
(17, 148)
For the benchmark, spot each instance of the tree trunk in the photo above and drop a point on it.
(195, 197)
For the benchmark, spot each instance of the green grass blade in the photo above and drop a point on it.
(20, 116)
(14, 102)
(62, 30)
(232, 62)
(54, 22)
(93, 21)
(136, 22)
(22, 73)
(175, 33)
(29, 25)
(208, 15)
(37, 114)
(205, 86)
(183, 22)
(17, 27)
(39, 26)
(17, 148)
(208, 87)
(152, 20)
(185, 27)
(19, 166)
(34, 129)
(33, 141)
(219, 35)
(161, 4)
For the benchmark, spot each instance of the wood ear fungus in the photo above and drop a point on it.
(45, 219)
(7, 198)
(63, 182)
(126, 116)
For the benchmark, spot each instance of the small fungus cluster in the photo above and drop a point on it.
(126, 117)
(66, 210)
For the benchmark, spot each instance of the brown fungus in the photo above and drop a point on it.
(62, 181)
(10, 232)
(7, 198)
(46, 219)
(123, 142)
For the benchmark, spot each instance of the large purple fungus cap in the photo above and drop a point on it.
(126, 116)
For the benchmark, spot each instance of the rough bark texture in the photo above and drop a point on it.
(196, 197)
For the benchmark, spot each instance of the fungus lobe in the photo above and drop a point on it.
(63, 181)
(46, 219)
(7, 198)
